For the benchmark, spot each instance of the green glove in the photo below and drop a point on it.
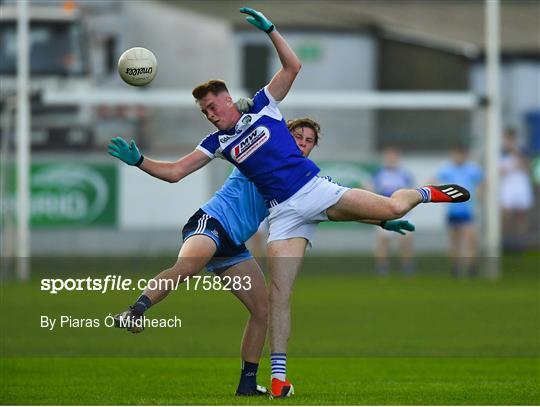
(398, 226)
(128, 153)
(258, 20)
(244, 105)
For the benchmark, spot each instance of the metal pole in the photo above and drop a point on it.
(7, 234)
(493, 147)
(23, 143)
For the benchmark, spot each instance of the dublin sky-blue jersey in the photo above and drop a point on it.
(469, 175)
(262, 148)
(238, 206)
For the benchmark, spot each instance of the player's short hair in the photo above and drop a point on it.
(215, 86)
(305, 122)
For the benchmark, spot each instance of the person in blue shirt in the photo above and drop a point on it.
(392, 177)
(258, 143)
(461, 216)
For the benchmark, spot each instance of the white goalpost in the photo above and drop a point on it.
(493, 136)
(23, 143)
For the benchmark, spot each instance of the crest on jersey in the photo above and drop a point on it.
(243, 124)
(249, 144)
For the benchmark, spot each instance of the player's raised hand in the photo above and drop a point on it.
(398, 226)
(128, 153)
(258, 19)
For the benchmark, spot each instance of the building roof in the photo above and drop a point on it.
(456, 23)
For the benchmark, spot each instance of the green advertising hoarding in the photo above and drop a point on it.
(69, 194)
(354, 174)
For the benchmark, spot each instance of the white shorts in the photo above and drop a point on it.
(516, 191)
(299, 215)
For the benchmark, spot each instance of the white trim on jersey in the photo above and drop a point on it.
(270, 96)
(272, 109)
(205, 151)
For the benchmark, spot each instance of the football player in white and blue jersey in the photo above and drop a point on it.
(258, 143)
(214, 238)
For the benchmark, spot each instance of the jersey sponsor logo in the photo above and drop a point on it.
(250, 144)
(224, 139)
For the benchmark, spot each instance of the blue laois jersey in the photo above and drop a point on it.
(262, 148)
(388, 180)
(238, 206)
(469, 175)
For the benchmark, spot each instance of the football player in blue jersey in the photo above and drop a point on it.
(392, 176)
(258, 143)
(460, 218)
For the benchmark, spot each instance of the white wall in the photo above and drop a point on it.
(147, 203)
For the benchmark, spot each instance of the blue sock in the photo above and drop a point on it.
(426, 194)
(248, 377)
(142, 304)
(279, 365)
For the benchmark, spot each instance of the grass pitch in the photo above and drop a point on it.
(357, 339)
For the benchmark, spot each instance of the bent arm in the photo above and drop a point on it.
(282, 81)
(175, 171)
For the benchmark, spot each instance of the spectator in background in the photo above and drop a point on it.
(460, 217)
(516, 194)
(391, 177)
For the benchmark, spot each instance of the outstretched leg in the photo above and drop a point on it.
(358, 204)
(195, 253)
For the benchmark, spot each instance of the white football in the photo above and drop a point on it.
(137, 66)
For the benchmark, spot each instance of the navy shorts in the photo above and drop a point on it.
(227, 253)
(461, 219)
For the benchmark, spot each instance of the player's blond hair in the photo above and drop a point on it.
(305, 122)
